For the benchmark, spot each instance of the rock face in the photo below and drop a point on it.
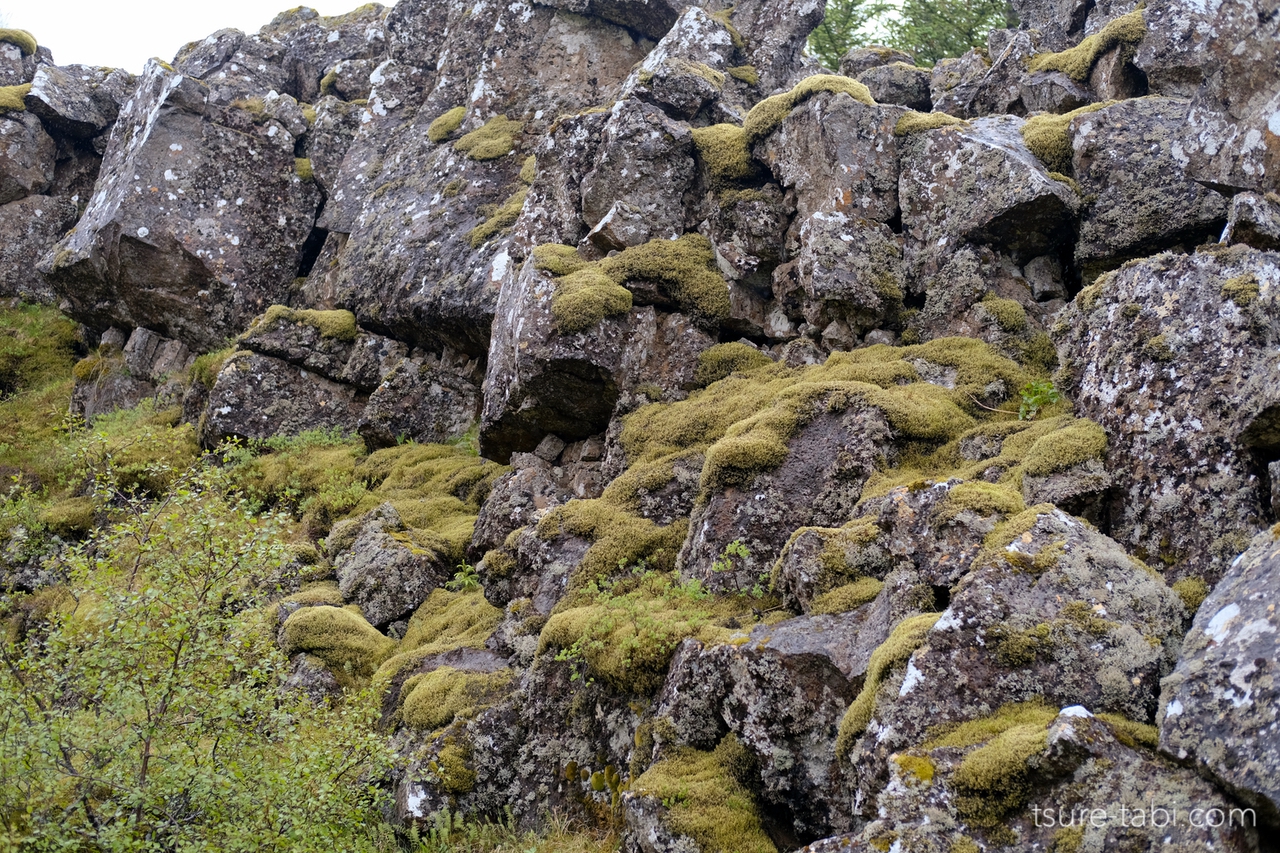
(196, 196)
(873, 437)
(1218, 708)
(1175, 357)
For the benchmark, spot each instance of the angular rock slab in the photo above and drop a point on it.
(31, 226)
(1175, 357)
(197, 221)
(1126, 157)
(1221, 706)
(1019, 210)
(384, 573)
(26, 156)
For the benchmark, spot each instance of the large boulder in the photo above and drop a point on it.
(31, 225)
(26, 156)
(78, 100)
(1126, 158)
(196, 224)
(1175, 357)
(1220, 709)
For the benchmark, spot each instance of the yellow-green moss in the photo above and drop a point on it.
(916, 765)
(504, 217)
(318, 593)
(348, 645)
(983, 729)
(705, 801)
(1046, 137)
(723, 148)
(1193, 592)
(1132, 733)
(766, 116)
(1068, 839)
(70, 518)
(93, 367)
(847, 597)
(308, 114)
(686, 268)
(445, 124)
(746, 73)
(994, 779)
(434, 699)
(529, 170)
(1072, 445)
(914, 122)
(908, 636)
(302, 168)
(496, 138)
(585, 297)
(452, 767)
(1158, 349)
(1004, 533)
(557, 259)
(339, 325)
(982, 499)
(618, 537)
(1243, 290)
(11, 98)
(1078, 61)
(25, 41)
(328, 81)
(452, 188)
(444, 622)
(1009, 315)
(720, 360)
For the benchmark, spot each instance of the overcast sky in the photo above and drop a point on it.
(125, 33)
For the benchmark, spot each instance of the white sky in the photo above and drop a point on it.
(125, 33)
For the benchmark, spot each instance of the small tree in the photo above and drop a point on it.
(839, 30)
(148, 713)
(931, 30)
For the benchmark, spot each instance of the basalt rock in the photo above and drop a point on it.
(1174, 356)
(1219, 706)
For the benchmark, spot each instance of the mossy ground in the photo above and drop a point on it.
(908, 636)
(723, 148)
(705, 800)
(434, 699)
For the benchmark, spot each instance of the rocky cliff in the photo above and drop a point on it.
(890, 456)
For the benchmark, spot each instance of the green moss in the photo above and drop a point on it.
(70, 518)
(452, 767)
(504, 217)
(1078, 61)
(848, 597)
(11, 98)
(348, 645)
(339, 325)
(207, 366)
(1009, 315)
(328, 81)
(308, 114)
(705, 801)
(721, 360)
(766, 116)
(434, 699)
(497, 138)
(686, 269)
(302, 168)
(994, 779)
(146, 449)
(93, 367)
(529, 170)
(964, 844)
(1016, 649)
(982, 499)
(583, 298)
(916, 765)
(444, 125)
(1076, 443)
(746, 73)
(973, 732)
(1132, 733)
(723, 148)
(444, 622)
(452, 188)
(319, 593)
(1046, 137)
(619, 538)
(908, 636)
(914, 122)
(1068, 839)
(1004, 533)
(25, 41)
(699, 69)
(557, 259)
(1193, 592)
(1243, 290)
(1158, 349)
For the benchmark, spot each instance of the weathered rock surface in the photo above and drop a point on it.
(26, 156)
(384, 571)
(31, 226)
(196, 224)
(1175, 357)
(1219, 707)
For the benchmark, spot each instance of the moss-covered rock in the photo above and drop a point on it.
(350, 647)
(765, 116)
(1078, 61)
(495, 138)
(443, 126)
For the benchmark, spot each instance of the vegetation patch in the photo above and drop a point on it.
(1046, 136)
(444, 622)
(721, 360)
(723, 148)
(1010, 317)
(705, 800)
(344, 640)
(302, 168)
(445, 124)
(1243, 290)
(24, 40)
(432, 700)
(339, 325)
(908, 636)
(1193, 592)
(766, 116)
(746, 73)
(503, 218)
(848, 597)
(496, 138)
(915, 122)
(1062, 449)
(1078, 61)
(11, 98)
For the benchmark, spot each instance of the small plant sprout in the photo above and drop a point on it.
(1035, 396)
(466, 579)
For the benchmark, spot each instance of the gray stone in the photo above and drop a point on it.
(1179, 368)
(77, 100)
(387, 575)
(860, 59)
(31, 226)
(1255, 221)
(899, 83)
(26, 157)
(424, 399)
